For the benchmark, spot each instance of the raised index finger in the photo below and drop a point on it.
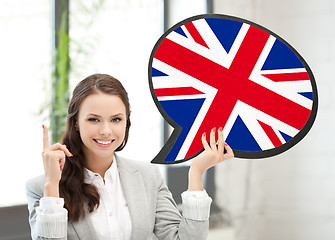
(46, 143)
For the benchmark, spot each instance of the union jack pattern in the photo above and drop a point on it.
(221, 72)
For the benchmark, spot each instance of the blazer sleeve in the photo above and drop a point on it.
(171, 225)
(44, 225)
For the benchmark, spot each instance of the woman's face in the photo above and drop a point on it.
(102, 124)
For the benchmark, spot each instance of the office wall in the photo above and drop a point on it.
(290, 196)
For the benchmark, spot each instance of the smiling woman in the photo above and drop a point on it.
(89, 121)
(89, 192)
(102, 128)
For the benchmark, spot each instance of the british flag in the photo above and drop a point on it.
(220, 71)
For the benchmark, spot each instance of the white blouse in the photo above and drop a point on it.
(111, 219)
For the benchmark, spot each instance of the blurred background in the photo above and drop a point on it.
(47, 47)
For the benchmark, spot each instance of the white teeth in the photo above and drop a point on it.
(104, 142)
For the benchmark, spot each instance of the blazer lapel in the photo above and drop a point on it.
(134, 193)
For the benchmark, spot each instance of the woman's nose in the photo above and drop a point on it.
(105, 129)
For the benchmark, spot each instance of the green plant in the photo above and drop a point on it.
(60, 76)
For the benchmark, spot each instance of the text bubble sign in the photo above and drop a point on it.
(221, 71)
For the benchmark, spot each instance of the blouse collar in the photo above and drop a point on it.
(111, 173)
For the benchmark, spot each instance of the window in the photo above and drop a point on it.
(115, 37)
(25, 68)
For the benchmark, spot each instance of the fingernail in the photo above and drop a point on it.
(62, 168)
(214, 129)
(43, 126)
(220, 129)
(225, 144)
(204, 134)
(71, 155)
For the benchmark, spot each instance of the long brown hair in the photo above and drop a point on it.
(72, 188)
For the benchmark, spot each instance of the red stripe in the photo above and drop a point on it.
(245, 90)
(162, 92)
(271, 134)
(195, 34)
(282, 77)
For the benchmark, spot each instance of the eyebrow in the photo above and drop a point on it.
(96, 115)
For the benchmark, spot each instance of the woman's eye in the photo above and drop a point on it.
(116, 119)
(93, 120)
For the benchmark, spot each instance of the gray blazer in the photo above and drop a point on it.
(150, 203)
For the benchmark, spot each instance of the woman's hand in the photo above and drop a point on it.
(53, 162)
(213, 154)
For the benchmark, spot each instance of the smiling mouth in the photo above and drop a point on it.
(106, 143)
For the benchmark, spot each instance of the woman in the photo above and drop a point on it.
(88, 192)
